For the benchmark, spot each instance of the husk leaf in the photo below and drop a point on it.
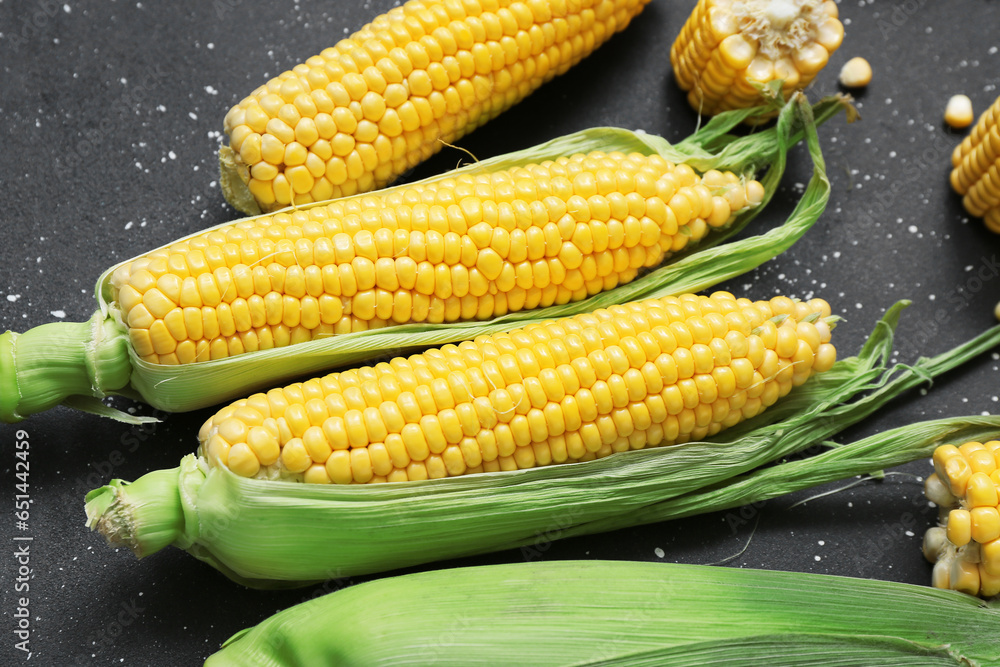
(576, 613)
(270, 533)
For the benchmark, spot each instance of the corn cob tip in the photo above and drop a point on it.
(233, 179)
(51, 363)
(145, 515)
(728, 51)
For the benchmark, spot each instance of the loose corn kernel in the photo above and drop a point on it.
(856, 73)
(958, 112)
(350, 120)
(425, 253)
(561, 391)
(727, 50)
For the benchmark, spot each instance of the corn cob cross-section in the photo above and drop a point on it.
(976, 169)
(470, 247)
(727, 49)
(638, 375)
(362, 112)
(965, 548)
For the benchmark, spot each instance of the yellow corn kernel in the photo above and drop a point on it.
(964, 577)
(358, 265)
(856, 73)
(517, 400)
(458, 76)
(959, 527)
(980, 491)
(958, 112)
(985, 524)
(726, 51)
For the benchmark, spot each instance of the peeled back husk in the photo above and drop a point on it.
(272, 533)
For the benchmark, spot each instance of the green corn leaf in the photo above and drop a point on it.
(590, 613)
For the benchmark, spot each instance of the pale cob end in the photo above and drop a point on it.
(975, 164)
(472, 247)
(233, 178)
(728, 50)
(44, 366)
(638, 375)
(145, 515)
(965, 548)
(361, 113)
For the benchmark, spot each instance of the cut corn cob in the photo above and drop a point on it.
(975, 170)
(361, 113)
(471, 247)
(233, 304)
(965, 548)
(632, 376)
(571, 613)
(728, 49)
(315, 531)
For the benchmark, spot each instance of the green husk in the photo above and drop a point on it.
(271, 533)
(28, 386)
(576, 613)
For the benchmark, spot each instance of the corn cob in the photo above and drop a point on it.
(318, 531)
(728, 49)
(975, 170)
(282, 284)
(965, 548)
(638, 375)
(361, 113)
(471, 247)
(564, 613)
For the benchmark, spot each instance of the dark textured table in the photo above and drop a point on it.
(112, 115)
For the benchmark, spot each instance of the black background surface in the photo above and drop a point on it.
(137, 92)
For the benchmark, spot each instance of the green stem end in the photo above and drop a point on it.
(145, 516)
(44, 366)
